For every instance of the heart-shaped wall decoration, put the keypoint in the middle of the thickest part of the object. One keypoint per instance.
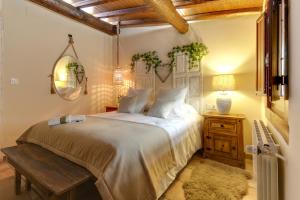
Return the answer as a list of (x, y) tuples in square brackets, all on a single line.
[(163, 72)]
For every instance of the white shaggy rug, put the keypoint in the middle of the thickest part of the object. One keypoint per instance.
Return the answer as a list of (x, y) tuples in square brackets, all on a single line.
[(212, 180)]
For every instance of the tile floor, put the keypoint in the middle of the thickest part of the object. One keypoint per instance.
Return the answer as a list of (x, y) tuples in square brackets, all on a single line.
[(175, 192)]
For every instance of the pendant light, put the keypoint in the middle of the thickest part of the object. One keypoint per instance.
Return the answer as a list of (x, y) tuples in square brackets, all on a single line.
[(118, 73)]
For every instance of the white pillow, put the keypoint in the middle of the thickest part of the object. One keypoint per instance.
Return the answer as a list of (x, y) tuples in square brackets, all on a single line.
[(127, 104), (183, 111), (177, 94), (161, 109), (142, 98)]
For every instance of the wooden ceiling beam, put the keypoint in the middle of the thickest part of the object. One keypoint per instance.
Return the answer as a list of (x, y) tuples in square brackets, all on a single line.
[(90, 3), (141, 22), (68, 10), (143, 8), (191, 4), (120, 12), (200, 16), (166, 10), (215, 14)]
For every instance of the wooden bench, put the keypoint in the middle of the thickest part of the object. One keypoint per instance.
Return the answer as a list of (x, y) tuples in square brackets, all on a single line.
[(54, 176)]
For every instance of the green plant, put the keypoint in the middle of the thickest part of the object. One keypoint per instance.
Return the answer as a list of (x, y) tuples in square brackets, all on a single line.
[(74, 66), (78, 70), (195, 51), (150, 58)]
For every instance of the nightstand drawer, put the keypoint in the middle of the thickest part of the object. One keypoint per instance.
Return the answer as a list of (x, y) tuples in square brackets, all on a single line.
[(223, 145), (222, 126)]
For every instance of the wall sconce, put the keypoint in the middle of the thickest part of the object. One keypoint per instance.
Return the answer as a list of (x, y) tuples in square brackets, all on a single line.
[(223, 83)]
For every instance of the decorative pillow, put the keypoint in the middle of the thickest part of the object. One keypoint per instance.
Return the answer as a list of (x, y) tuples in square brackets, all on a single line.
[(142, 98), (127, 104), (183, 111), (177, 94), (161, 109)]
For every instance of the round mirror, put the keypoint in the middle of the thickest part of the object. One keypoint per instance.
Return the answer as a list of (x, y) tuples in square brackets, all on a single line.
[(68, 78)]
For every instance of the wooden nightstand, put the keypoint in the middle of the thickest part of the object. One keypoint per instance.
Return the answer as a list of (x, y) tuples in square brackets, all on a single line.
[(111, 108), (223, 138)]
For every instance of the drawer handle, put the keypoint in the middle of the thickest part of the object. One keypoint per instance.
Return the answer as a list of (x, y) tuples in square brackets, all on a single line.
[(207, 148), (233, 148), (222, 125), (208, 137)]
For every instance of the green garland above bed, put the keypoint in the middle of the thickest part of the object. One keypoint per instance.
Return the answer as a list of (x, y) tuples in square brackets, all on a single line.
[(195, 51), (150, 58)]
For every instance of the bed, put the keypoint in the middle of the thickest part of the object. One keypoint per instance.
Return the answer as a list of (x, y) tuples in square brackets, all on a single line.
[(132, 156)]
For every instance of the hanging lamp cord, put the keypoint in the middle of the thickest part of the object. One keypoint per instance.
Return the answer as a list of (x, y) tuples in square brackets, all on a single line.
[(118, 45)]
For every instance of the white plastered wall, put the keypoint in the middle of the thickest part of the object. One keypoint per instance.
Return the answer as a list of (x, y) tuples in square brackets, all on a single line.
[(34, 37)]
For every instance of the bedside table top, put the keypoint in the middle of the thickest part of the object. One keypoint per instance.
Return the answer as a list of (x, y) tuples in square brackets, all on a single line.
[(111, 108), (115, 106), (215, 114)]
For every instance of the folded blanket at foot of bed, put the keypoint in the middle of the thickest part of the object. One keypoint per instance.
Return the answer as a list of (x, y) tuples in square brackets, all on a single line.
[(66, 119)]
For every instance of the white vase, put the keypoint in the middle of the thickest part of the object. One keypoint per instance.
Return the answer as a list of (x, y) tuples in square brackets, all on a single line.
[(223, 103)]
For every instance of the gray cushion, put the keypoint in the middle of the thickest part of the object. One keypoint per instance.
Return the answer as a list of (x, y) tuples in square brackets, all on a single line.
[(127, 104), (142, 98), (161, 109)]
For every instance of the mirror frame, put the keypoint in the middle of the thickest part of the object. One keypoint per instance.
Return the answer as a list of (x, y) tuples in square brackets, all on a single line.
[(53, 86)]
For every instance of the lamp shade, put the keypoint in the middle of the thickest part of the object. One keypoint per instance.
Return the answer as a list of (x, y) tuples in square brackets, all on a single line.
[(118, 77), (224, 82)]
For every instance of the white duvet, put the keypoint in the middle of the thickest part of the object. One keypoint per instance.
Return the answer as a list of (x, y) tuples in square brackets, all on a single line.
[(184, 132)]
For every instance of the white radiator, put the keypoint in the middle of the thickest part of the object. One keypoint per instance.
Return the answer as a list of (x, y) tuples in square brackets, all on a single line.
[(265, 162)]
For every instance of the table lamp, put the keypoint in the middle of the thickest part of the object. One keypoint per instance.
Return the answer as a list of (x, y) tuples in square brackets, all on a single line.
[(223, 83)]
